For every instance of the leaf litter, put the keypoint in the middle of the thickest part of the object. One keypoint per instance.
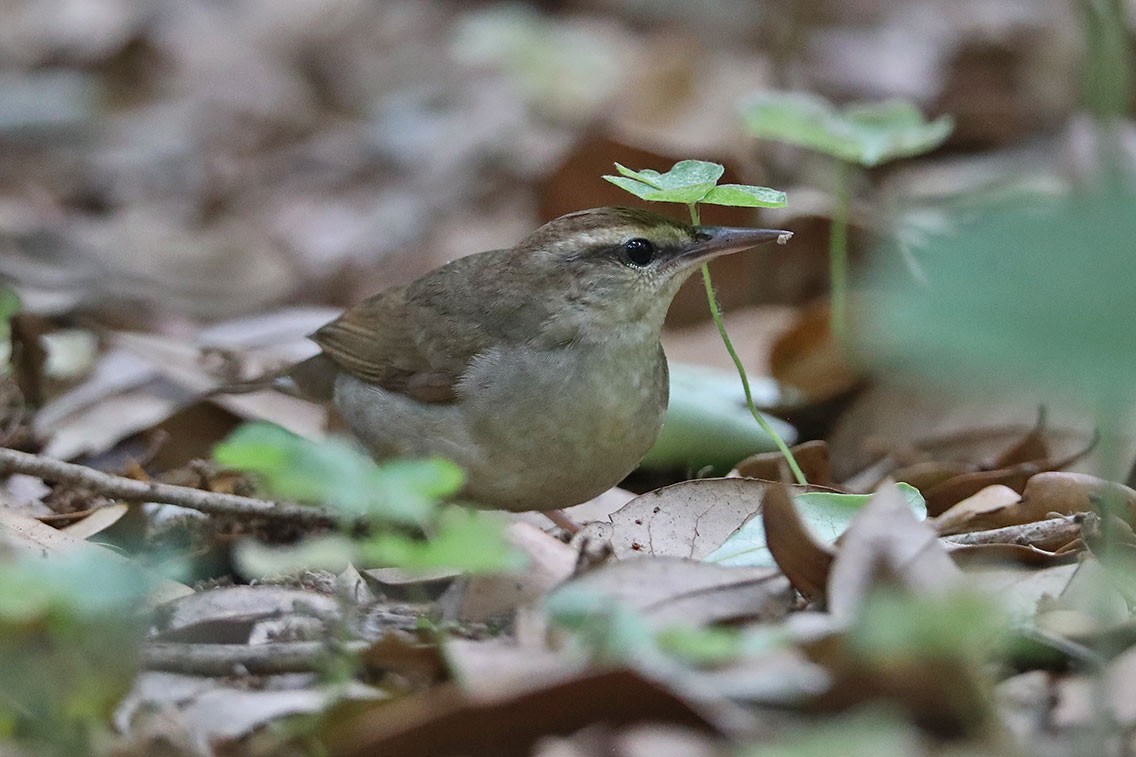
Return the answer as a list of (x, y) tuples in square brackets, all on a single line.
[(178, 246)]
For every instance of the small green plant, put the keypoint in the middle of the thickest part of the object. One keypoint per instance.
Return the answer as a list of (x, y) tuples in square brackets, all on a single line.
[(69, 640), (391, 497), (691, 182), (861, 134)]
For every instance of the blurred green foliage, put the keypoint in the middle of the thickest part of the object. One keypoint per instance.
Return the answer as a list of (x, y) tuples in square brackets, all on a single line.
[(867, 134), (69, 637), (1038, 291), (400, 499)]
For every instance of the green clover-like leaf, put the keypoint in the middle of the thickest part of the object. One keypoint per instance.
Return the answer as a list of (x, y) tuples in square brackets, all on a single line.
[(694, 181), (687, 182), (744, 196), (865, 133)]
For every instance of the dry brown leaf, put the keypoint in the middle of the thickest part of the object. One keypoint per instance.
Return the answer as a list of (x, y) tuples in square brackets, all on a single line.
[(229, 614), (1064, 492), (672, 590), (29, 536), (807, 357), (218, 718), (479, 598), (804, 559), (495, 667), (446, 720), (687, 519), (812, 458), (98, 521), (886, 535), (986, 508)]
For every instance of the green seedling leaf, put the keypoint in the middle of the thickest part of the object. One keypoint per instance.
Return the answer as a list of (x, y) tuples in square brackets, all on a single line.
[(708, 423), (863, 133), (465, 540), (687, 182), (694, 181), (471, 542), (744, 196), (701, 646), (826, 513), (339, 474), (1036, 291)]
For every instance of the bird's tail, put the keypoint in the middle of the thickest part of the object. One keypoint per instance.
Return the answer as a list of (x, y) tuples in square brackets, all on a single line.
[(312, 379)]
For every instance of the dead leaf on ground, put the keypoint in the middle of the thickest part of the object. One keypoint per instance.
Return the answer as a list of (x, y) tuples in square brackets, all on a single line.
[(229, 614), (802, 557), (497, 666), (688, 519), (479, 598), (807, 357), (447, 721), (812, 458), (1019, 589), (885, 535), (98, 521), (672, 590), (29, 536), (218, 719)]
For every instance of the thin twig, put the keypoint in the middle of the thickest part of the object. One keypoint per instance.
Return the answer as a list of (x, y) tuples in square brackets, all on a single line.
[(118, 487), (1047, 534), (243, 659)]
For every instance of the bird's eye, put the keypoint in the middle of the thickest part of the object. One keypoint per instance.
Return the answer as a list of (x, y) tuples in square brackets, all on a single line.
[(639, 252)]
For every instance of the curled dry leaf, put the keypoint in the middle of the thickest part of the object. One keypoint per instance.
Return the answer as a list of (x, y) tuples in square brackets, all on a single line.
[(812, 457), (1044, 494), (22, 534), (954, 489), (98, 521), (802, 557)]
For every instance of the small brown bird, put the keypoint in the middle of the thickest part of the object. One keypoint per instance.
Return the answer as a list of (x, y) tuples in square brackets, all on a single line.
[(537, 369)]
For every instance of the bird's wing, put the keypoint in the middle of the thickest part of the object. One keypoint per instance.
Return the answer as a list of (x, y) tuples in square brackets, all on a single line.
[(374, 341)]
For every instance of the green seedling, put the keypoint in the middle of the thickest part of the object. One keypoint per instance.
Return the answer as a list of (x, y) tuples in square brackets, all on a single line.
[(391, 497), (691, 182), (861, 134)]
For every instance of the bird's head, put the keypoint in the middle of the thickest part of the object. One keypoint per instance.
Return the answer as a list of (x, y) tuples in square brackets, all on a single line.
[(623, 264)]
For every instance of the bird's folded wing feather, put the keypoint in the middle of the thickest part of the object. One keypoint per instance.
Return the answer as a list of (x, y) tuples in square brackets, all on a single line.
[(374, 341)]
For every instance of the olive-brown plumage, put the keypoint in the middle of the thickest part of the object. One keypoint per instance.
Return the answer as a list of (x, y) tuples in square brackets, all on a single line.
[(538, 369)]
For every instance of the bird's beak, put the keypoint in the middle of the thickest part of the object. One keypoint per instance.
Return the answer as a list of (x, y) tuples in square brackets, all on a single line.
[(714, 241)]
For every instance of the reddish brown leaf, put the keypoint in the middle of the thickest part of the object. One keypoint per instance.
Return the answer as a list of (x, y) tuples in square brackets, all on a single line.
[(803, 558), (811, 456)]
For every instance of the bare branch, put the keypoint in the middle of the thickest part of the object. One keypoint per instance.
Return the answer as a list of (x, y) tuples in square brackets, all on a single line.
[(118, 487)]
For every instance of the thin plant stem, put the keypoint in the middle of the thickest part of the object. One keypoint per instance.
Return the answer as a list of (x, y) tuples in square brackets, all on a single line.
[(838, 255), (716, 314)]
